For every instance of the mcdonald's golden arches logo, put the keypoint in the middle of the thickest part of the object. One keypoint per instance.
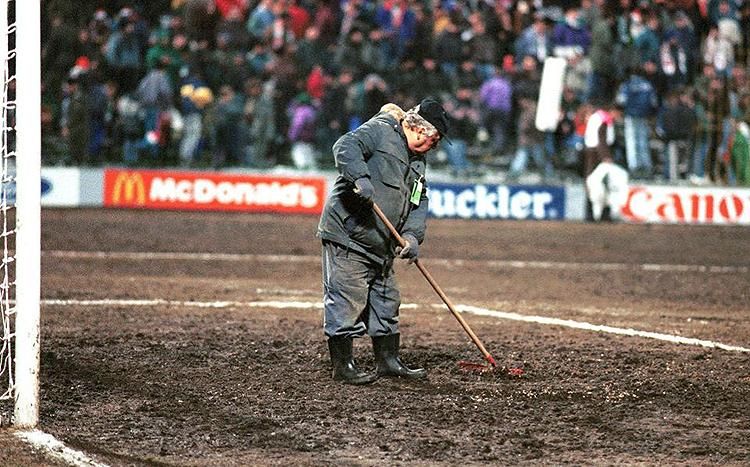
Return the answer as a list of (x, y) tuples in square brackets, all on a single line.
[(129, 188)]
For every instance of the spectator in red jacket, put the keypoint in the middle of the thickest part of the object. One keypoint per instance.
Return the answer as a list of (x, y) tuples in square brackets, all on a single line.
[(231, 7), (299, 19)]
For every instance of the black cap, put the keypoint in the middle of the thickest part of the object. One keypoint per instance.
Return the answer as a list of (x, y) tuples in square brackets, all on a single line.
[(433, 112)]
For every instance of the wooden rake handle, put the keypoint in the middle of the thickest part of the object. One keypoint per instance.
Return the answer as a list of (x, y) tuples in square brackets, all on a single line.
[(436, 287)]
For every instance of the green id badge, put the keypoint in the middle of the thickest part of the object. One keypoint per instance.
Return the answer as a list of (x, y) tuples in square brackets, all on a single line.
[(416, 192)]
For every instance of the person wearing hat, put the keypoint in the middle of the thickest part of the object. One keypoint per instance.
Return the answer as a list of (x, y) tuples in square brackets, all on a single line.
[(381, 161)]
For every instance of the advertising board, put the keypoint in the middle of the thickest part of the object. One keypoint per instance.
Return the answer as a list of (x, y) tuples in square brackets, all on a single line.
[(206, 191), (496, 201), (687, 205), (61, 186)]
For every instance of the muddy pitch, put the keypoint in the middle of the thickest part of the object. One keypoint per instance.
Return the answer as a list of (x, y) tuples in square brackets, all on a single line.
[(169, 382)]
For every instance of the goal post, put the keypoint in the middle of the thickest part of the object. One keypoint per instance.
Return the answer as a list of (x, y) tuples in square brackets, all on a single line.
[(21, 120)]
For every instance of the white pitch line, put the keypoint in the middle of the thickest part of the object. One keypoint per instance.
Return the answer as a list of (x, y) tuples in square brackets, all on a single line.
[(582, 325), (56, 449), (156, 255), (599, 328), (313, 259), (195, 304)]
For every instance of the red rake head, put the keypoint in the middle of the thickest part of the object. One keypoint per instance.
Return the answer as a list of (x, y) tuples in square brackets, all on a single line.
[(480, 367), (475, 367), (488, 367)]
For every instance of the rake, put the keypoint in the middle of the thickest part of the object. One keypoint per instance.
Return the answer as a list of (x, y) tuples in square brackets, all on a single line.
[(467, 365)]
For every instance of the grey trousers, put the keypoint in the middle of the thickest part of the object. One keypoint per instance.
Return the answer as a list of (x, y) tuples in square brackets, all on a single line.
[(359, 298)]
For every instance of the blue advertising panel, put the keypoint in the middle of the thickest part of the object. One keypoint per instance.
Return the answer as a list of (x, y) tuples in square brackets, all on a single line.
[(496, 202)]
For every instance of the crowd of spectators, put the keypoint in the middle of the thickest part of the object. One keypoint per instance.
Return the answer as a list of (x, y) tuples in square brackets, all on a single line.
[(259, 83)]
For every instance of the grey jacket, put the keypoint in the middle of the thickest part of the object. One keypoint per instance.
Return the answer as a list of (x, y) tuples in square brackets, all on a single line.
[(378, 150)]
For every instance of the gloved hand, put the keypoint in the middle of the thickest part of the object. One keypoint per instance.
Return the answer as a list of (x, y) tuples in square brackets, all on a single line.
[(411, 250), (364, 190)]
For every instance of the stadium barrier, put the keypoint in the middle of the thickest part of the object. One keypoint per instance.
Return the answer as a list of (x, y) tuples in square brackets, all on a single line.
[(306, 193)]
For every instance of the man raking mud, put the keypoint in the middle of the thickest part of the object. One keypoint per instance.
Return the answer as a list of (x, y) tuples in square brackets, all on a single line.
[(382, 161)]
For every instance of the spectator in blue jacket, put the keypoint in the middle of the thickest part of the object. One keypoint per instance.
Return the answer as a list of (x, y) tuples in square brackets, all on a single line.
[(647, 39), (571, 36), (639, 101), (398, 22), (534, 40), (260, 21)]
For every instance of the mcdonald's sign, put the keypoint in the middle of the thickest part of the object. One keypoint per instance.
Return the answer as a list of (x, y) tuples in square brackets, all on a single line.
[(124, 188), (204, 191)]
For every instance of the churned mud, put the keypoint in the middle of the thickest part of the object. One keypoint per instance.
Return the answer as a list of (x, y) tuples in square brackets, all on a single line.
[(167, 382)]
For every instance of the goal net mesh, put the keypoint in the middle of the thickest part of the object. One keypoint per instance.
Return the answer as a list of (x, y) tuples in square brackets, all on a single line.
[(7, 201)]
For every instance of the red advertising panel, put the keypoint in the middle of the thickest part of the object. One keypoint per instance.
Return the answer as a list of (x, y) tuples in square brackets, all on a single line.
[(687, 205), (157, 189)]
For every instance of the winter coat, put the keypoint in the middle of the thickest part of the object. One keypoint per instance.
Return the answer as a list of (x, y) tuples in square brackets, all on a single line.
[(378, 150), (155, 90), (449, 47), (483, 49), (638, 97), (565, 35), (602, 52), (496, 94), (226, 6), (77, 118), (302, 125), (647, 45), (676, 122), (526, 94), (464, 118), (529, 42), (124, 50), (200, 19), (402, 33)]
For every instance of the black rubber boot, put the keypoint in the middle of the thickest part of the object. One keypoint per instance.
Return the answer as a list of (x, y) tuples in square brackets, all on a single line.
[(344, 367), (387, 361)]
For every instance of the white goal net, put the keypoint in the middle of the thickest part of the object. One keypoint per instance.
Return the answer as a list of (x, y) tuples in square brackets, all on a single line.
[(20, 232)]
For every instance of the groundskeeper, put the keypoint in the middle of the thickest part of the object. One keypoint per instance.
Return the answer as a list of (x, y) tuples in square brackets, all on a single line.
[(382, 161)]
